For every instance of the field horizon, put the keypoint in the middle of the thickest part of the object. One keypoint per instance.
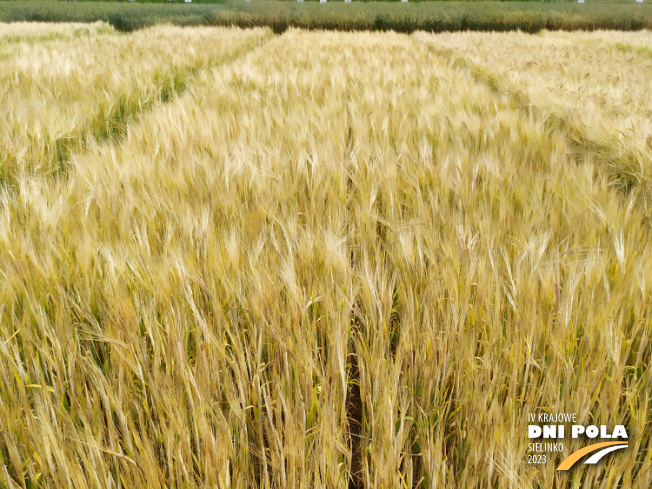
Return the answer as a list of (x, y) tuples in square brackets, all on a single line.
[(280, 15)]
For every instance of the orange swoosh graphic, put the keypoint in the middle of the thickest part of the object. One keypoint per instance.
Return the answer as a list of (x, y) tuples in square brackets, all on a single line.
[(575, 456)]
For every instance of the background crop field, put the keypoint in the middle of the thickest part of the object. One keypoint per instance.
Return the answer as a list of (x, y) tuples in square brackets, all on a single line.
[(279, 15), (230, 258)]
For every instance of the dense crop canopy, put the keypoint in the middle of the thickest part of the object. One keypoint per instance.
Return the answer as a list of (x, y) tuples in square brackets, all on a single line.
[(233, 259)]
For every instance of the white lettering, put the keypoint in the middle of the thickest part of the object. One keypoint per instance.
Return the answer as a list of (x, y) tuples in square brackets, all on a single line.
[(549, 431), (577, 430), (619, 431), (603, 432), (533, 431)]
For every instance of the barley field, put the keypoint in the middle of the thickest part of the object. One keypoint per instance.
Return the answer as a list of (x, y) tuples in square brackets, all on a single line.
[(234, 259)]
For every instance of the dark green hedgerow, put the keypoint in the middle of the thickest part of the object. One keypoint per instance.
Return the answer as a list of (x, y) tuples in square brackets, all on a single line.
[(279, 15), (215, 2)]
